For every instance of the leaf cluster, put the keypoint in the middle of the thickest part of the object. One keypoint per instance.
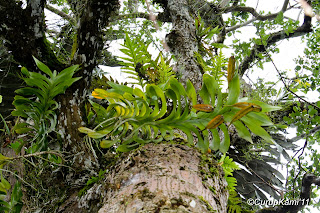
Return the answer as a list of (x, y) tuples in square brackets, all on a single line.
[(36, 103), (15, 204), (134, 117)]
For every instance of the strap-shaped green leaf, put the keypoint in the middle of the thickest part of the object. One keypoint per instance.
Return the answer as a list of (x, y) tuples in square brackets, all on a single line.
[(179, 91), (191, 92), (96, 135), (25, 71), (121, 89), (260, 118), (65, 75), (44, 68), (234, 90), (85, 130), (225, 144), (155, 91), (204, 94), (108, 143), (29, 91), (215, 143), (258, 130), (266, 107), (212, 87), (242, 130)]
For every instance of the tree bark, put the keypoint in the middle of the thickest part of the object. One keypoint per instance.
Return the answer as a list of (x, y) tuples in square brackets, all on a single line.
[(157, 178), (183, 43), (86, 51)]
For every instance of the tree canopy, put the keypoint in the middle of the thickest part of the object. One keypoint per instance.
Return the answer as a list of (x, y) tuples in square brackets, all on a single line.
[(194, 70)]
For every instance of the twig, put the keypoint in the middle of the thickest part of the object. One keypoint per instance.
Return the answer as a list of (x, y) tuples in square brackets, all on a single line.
[(255, 14), (299, 163), (37, 154), (263, 181), (284, 83)]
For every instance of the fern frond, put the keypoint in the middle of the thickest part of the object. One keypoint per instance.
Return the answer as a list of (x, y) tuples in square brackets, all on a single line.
[(234, 202), (140, 65), (137, 59), (214, 66)]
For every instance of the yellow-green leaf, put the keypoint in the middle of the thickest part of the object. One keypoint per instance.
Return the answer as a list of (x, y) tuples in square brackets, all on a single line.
[(260, 118), (85, 130), (103, 94), (225, 144), (234, 90), (266, 107), (108, 143), (242, 105), (191, 92), (2, 157), (96, 135), (258, 130), (216, 140)]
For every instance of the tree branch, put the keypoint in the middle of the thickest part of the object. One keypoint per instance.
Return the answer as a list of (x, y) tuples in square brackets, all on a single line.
[(164, 17), (287, 87), (296, 205), (254, 13), (60, 13), (273, 38), (133, 15), (314, 130)]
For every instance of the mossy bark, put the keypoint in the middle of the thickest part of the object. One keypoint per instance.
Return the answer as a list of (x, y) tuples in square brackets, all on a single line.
[(157, 178)]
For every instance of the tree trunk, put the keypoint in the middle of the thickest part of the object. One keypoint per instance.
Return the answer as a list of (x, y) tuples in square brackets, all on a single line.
[(86, 50), (157, 178), (154, 178), (183, 42)]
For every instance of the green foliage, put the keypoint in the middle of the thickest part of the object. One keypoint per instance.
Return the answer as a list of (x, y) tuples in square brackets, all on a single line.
[(234, 202), (134, 117), (91, 181), (215, 66), (229, 166), (140, 65), (15, 203), (36, 102), (58, 2), (203, 33), (6, 128)]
